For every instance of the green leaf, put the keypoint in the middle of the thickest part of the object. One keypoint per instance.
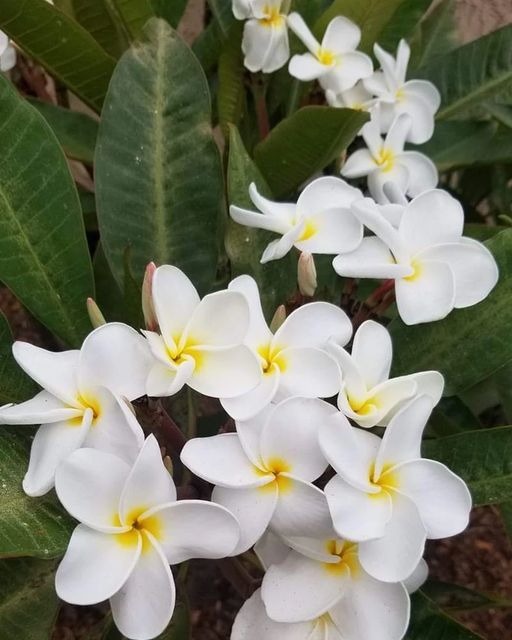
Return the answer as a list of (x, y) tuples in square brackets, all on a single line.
[(108, 294), (470, 344), (170, 10), (244, 245), (403, 22), (76, 132), (15, 385), (304, 144), (482, 458), (482, 232), (96, 17), (28, 602), (208, 45), (159, 182), (132, 15), (478, 72), (44, 257), (53, 39), (435, 36), (28, 526), (231, 89), (429, 622), (458, 598)]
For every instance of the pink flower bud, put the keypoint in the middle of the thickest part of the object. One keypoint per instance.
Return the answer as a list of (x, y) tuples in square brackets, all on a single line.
[(278, 319), (95, 316), (307, 275), (147, 298)]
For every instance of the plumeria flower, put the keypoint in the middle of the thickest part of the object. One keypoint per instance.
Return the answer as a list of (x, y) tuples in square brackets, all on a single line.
[(83, 401), (335, 63), (131, 528), (357, 98), (201, 340), (265, 41), (7, 53), (434, 267), (386, 496), (320, 222), (368, 396), (418, 98), (293, 361), (386, 161), (263, 473)]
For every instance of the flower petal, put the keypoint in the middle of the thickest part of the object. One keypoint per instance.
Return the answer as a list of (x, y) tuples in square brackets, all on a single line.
[(279, 50), (279, 248), (149, 483), (336, 230), (258, 44), (55, 372), (249, 405), (250, 432), (321, 194), (430, 383), (341, 35), (194, 529), (417, 578), (306, 67), (372, 352), (386, 397), (222, 461), (353, 385), (167, 380), (421, 114), (442, 498), (89, 485), (96, 566), (258, 220), (360, 163), (271, 549), (42, 408), (426, 90), (51, 445), (302, 31), (422, 172), (398, 174), (372, 259), (253, 508), (311, 373), (143, 607), (258, 333), (354, 66)]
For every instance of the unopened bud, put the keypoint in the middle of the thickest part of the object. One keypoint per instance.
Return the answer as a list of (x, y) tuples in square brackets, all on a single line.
[(95, 316), (306, 273), (279, 318), (168, 464), (147, 298)]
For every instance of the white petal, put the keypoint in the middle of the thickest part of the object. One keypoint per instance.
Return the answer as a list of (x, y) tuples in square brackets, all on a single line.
[(398, 174), (394, 557), (403, 56), (300, 28), (317, 548), (357, 515), (422, 172), (89, 485), (359, 164), (402, 439), (324, 194), (258, 333), (221, 460), (249, 432), (376, 85), (351, 452), (430, 383), (310, 373), (225, 373), (473, 266), (55, 372), (290, 435), (194, 529), (427, 296), (143, 607), (389, 606), (256, 44), (354, 386), (285, 212), (301, 589), (42, 408), (252, 403), (258, 220), (253, 508), (372, 259), (166, 380), (279, 50), (386, 397), (422, 117), (271, 549), (388, 64), (51, 445), (434, 217), (354, 67), (341, 35), (417, 578), (398, 132), (174, 298), (221, 319), (425, 90), (372, 352), (306, 67), (8, 59), (442, 498), (312, 325), (115, 356), (148, 485), (279, 248), (336, 231), (96, 566)]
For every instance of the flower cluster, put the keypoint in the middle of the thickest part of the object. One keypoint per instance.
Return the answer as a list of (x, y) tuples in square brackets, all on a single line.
[(323, 502)]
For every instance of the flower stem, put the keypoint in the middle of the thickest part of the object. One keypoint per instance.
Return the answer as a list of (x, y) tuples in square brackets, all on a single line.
[(260, 103), (156, 419)]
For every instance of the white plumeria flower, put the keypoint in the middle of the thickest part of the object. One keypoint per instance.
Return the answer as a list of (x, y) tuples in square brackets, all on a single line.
[(320, 223), (293, 361), (335, 63), (265, 41), (201, 340), (368, 396), (386, 161), (263, 473), (131, 528), (418, 98), (7, 53), (386, 496), (83, 402), (434, 267), (357, 98), (322, 577)]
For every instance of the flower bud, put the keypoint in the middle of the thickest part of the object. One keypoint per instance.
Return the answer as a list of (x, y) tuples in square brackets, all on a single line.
[(278, 319), (147, 298), (95, 316), (307, 275)]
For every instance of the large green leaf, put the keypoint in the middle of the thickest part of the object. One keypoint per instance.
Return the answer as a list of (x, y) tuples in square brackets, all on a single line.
[(132, 15), (61, 45), (15, 385), (470, 344), (96, 17), (44, 257), (435, 36), (159, 181), (170, 10), (478, 72), (304, 144), (429, 622), (76, 132), (28, 602), (245, 246), (403, 22), (231, 89), (482, 458), (28, 526)]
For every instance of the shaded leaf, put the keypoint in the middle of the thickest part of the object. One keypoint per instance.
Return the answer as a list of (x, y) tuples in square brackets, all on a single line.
[(231, 89), (15, 385), (429, 622), (108, 294), (435, 36), (403, 22), (132, 15), (170, 10), (458, 598), (96, 17)]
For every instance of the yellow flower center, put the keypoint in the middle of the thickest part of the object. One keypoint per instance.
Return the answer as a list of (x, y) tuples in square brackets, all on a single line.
[(186, 352), (347, 553), (327, 57), (273, 17), (387, 480), (87, 401), (417, 271), (139, 527), (310, 230), (271, 359), (363, 407), (276, 466), (385, 159)]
